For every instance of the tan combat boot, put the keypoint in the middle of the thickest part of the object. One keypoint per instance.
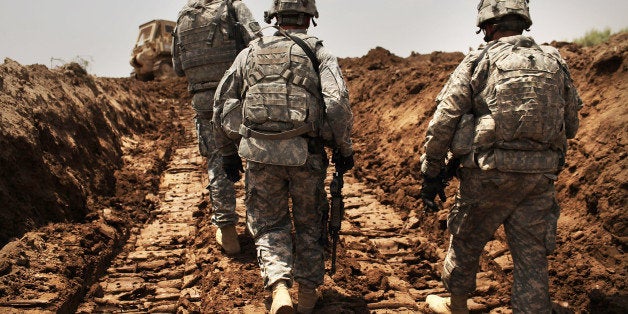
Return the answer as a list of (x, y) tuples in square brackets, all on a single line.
[(307, 300), (457, 304), (227, 237), (282, 303)]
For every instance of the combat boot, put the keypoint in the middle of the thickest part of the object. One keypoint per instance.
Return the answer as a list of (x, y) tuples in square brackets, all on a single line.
[(457, 304), (227, 237), (282, 303), (307, 300)]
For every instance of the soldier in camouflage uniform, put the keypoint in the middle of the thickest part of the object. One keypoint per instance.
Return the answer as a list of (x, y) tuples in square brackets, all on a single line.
[(278, 108), (505, 114), (208, 36)]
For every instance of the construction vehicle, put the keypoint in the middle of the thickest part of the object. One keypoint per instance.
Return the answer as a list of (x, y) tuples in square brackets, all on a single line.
[(152, 54)]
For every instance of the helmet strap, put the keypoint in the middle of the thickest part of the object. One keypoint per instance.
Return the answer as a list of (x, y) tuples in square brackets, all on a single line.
[(489, 36)]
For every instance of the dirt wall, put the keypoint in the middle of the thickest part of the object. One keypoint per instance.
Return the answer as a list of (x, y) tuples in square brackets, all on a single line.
[(71, 185)]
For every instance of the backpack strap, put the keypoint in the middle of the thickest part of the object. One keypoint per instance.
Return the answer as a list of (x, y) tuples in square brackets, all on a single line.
[(481, 56), (481, 110), (312, 56)]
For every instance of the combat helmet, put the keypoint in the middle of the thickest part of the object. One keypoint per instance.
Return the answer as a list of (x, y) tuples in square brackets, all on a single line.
[(495, 10), (291, 7)]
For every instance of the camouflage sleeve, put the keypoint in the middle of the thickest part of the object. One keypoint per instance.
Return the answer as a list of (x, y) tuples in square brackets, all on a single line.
[(176, 57), (454, 100), (228, 94), (573, 103), (336, 97), (248, 21)]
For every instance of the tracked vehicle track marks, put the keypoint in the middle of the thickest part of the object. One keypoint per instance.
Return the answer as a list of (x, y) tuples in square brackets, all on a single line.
[(157, 271)]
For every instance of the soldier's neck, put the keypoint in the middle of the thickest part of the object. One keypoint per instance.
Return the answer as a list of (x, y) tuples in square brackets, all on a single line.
[(501, 34)]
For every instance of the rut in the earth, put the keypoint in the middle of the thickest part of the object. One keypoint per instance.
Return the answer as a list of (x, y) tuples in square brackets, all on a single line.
[(173, 265), (157, 270)]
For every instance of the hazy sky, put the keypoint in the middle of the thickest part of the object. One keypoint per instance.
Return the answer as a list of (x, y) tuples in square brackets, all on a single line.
[(104, 31)]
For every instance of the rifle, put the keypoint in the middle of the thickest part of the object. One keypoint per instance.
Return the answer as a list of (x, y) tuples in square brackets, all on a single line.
[(337, 212)]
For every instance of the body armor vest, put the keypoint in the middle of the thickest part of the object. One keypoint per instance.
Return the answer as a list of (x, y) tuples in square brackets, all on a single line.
[(524, 99), (282, 89), (519, 116), (205, 42)]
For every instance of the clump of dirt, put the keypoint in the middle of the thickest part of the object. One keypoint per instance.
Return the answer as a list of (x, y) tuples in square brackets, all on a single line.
[(393, 101)]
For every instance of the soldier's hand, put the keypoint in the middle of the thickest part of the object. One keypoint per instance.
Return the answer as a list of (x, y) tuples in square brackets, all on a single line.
[(232, 165), (342, 163), (429, 189)]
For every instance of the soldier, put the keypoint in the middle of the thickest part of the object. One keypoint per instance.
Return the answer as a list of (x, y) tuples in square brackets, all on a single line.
[(280, 102), (208, 36), (505, 114)]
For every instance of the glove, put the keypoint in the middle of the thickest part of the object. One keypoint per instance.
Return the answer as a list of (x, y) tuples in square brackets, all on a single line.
[(343, 164), (232, 165), (429, 189)]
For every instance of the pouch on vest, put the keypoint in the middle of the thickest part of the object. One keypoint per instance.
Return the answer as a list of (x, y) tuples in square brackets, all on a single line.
[(462, 143), (545, 161), (231, 118), (288, 152), (484, 133)]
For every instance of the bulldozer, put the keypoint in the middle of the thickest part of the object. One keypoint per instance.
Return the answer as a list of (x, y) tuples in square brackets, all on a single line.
[(152, 54)]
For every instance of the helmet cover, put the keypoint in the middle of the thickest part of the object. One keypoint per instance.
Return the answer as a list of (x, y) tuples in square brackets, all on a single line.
[(496, 9), (291, 6)]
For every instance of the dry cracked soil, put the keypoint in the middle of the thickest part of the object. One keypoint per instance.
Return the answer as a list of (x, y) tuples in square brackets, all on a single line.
[(103, 206)]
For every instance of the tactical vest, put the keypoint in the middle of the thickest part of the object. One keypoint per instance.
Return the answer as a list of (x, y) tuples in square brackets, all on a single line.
[(519, 116), (281, 103), (206, 43)]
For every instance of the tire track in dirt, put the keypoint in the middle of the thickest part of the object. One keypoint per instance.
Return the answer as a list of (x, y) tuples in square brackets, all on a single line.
[(157, 269)]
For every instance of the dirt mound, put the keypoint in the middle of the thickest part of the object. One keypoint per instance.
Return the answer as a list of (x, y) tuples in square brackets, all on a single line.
[(63, 174), (393, 101), (61, 137)]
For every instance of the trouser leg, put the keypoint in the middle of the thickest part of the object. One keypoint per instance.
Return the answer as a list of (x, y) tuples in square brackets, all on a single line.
[(526, 231), (221, 190), (306, 189), (479, 210), (268, 220)]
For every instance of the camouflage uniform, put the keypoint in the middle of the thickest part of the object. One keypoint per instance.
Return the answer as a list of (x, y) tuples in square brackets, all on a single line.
[(204, 65), (294, 167), (509, 165)]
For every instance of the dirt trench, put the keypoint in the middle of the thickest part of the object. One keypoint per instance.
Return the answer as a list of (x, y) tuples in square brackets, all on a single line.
[(105, 210)]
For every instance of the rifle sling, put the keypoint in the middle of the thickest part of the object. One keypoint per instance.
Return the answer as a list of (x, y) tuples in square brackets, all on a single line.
[(308, 51), (238, 36)]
